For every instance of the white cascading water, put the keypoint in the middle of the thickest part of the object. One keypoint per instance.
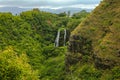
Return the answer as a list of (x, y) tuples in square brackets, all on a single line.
[(58, 37), (65, 36)]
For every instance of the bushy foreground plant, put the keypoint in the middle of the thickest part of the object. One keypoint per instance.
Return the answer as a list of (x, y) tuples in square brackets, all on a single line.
[(14, 67)]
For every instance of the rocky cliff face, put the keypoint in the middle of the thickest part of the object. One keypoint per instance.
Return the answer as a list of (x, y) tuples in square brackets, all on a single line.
[(97, 39)]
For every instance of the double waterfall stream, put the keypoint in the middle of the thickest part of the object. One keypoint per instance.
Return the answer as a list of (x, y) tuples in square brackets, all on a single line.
[(58, 37)]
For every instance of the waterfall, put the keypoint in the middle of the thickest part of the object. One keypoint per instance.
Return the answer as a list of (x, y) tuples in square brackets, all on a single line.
[(65, 36), (58, 37)]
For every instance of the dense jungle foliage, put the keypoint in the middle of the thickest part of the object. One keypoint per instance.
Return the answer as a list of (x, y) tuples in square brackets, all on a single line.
[(27, 50), (92, 51)]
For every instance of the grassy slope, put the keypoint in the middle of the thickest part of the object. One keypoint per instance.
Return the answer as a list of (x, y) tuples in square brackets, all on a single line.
[(102, 27)]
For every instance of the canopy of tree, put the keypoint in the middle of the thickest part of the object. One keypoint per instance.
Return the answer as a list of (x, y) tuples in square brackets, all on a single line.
[(27, 49)]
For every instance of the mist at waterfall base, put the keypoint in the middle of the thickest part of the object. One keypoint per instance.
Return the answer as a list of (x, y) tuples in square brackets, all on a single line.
[(61, 38)]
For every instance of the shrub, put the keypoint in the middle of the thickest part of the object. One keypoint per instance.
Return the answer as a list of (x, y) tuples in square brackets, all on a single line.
[(14, 67)]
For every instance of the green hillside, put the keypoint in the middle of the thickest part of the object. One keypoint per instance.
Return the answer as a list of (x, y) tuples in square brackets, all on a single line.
[(90, 51), (95, 44), (27, 50)]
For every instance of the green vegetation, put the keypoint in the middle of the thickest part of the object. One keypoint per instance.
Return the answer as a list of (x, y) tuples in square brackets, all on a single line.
[(94, 46), (27, 50), (14, 67)]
